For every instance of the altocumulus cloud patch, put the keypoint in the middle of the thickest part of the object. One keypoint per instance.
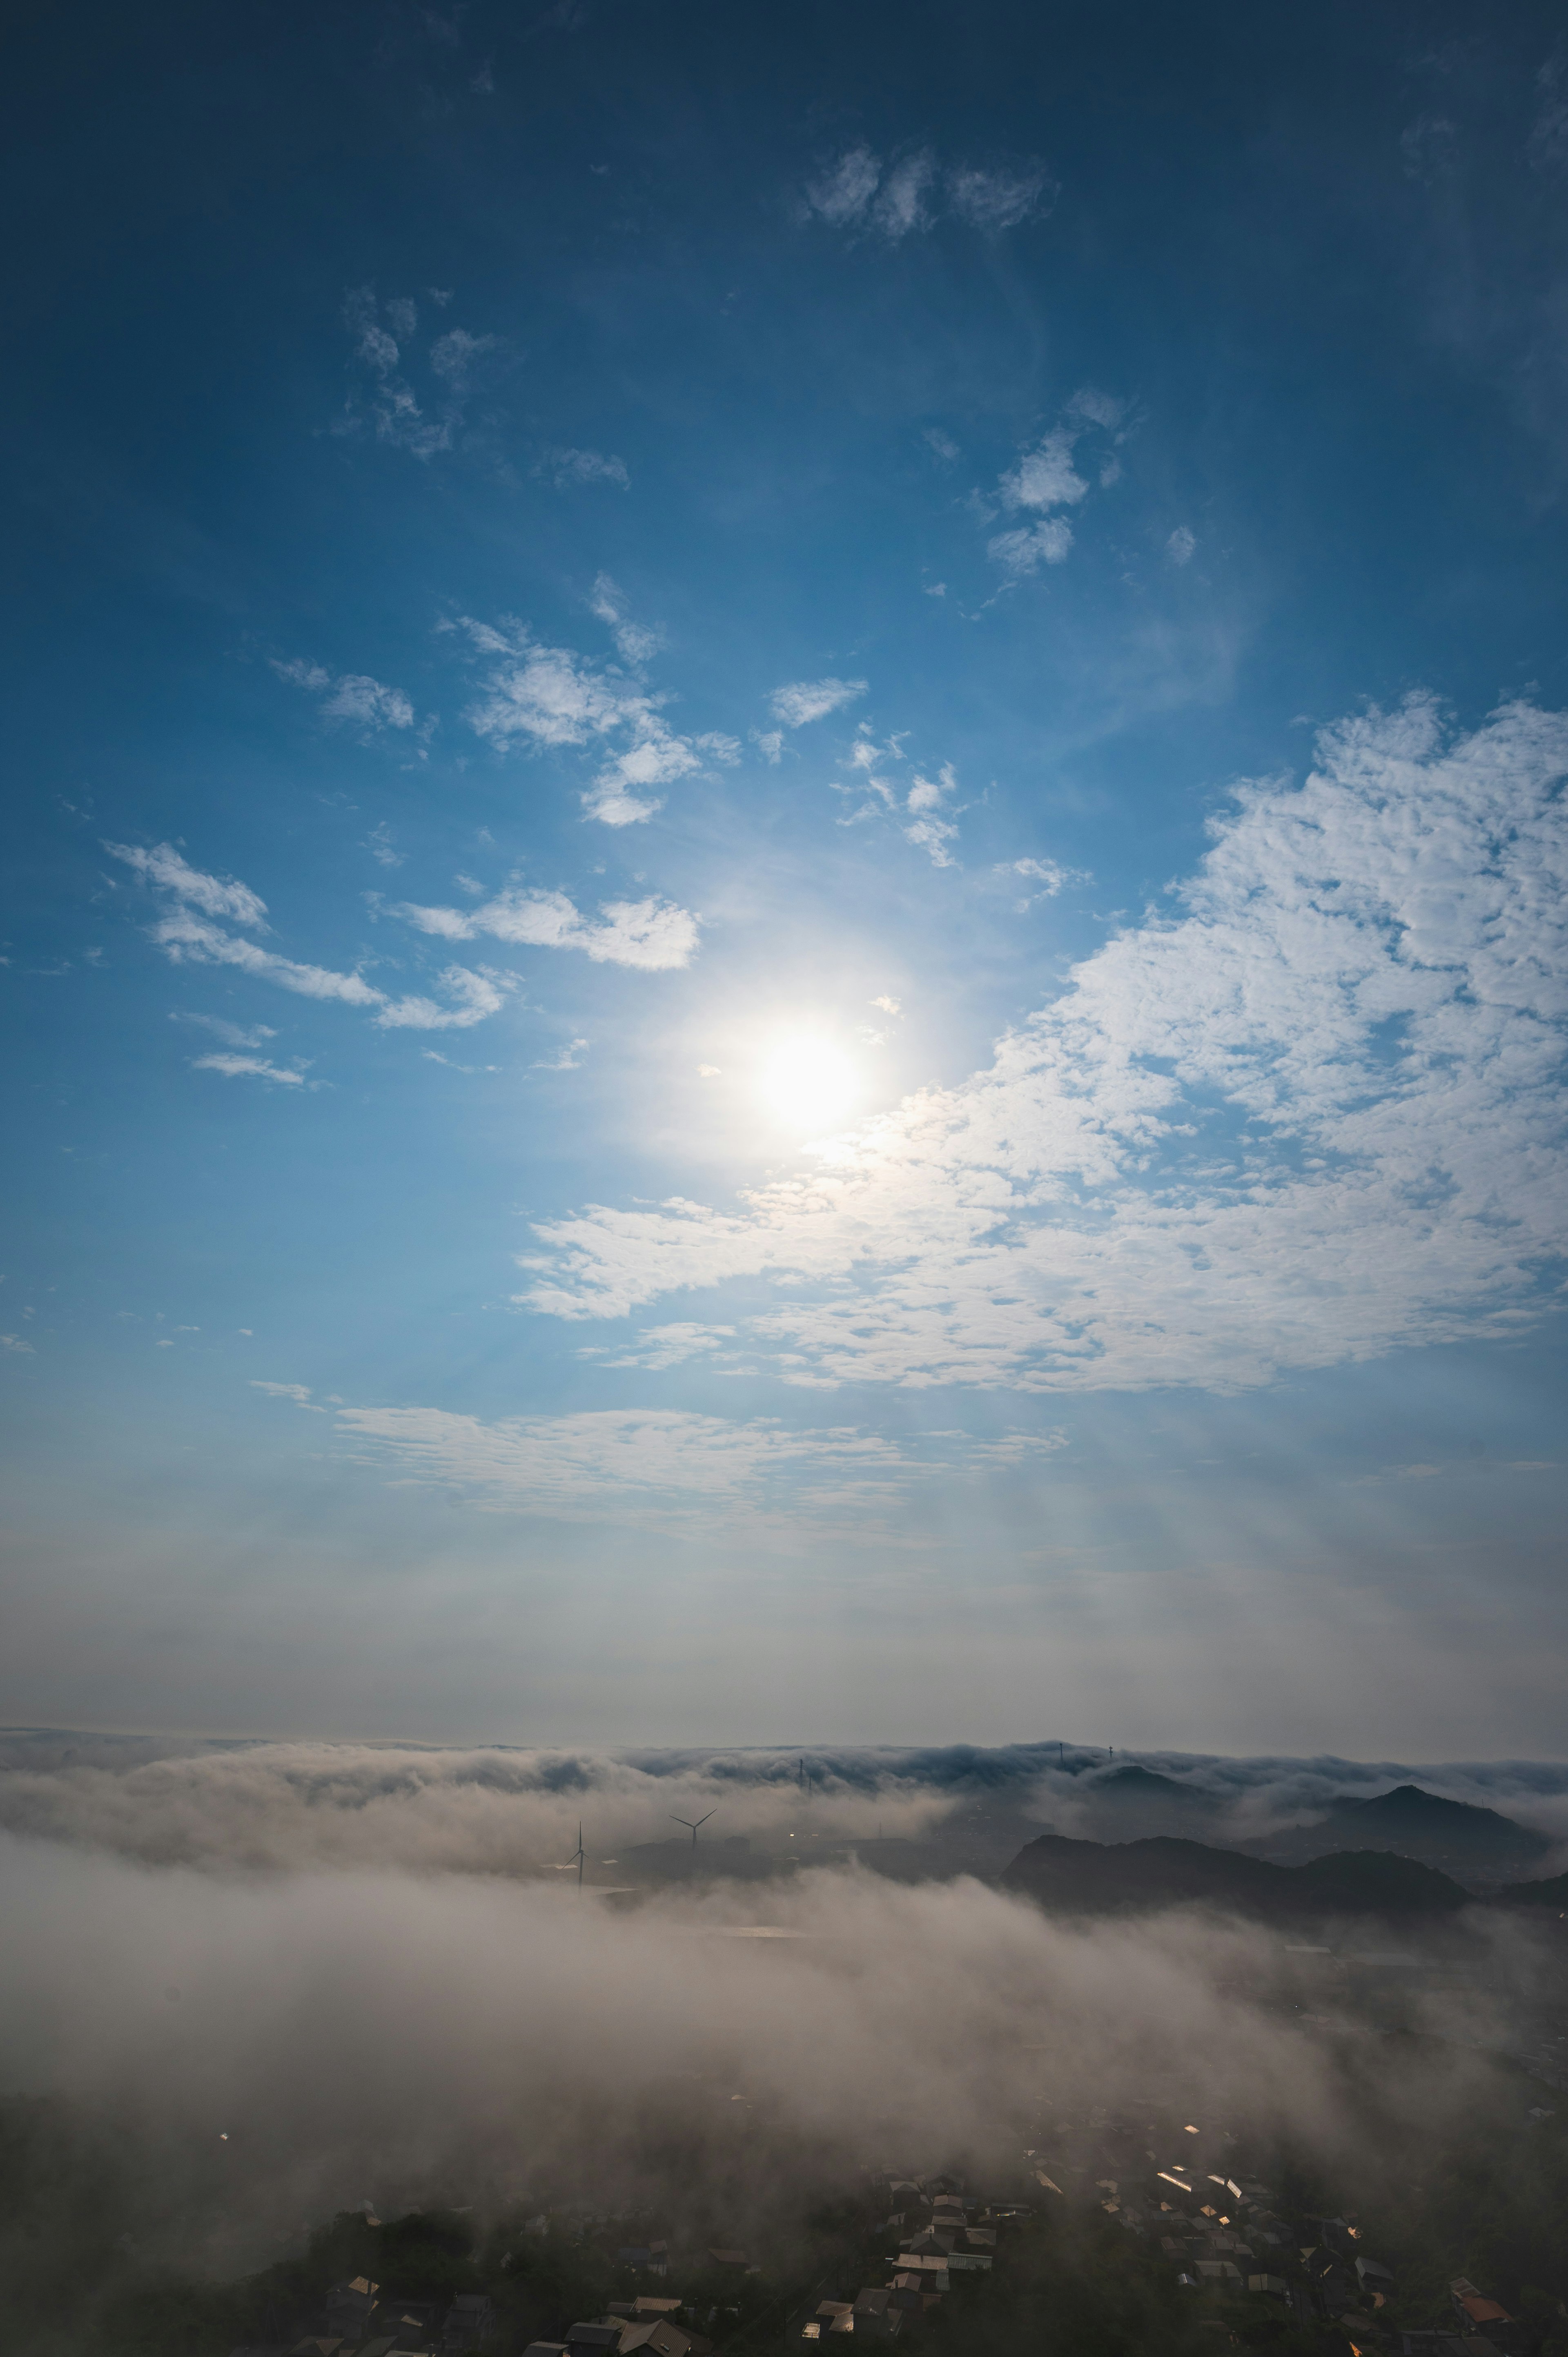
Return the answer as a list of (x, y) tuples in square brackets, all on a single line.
[(1315, 1114)]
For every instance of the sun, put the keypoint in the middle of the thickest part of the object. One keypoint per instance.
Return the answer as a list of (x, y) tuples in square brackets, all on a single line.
[(807, 1083)]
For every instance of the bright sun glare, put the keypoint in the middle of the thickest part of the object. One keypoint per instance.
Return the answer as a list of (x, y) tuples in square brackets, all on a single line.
[(807, 1083)]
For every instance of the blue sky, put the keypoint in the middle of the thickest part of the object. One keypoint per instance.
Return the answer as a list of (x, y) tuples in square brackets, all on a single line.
[(785, 936)]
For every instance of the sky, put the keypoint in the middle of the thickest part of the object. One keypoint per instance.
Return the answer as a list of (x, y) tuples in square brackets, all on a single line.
[(785, 933)]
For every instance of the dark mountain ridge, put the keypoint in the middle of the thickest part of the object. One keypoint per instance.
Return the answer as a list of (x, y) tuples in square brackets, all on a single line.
[(1097, 1877), (1457, 1836)]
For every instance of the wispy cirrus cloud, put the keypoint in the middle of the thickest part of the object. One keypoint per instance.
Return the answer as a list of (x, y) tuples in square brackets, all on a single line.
[(567, 469), (380, 335), (234, 1067), (351, 697), (1317, 1113), (185, 931), (805, 700), (669, 1467), (859, 191), (654, 935)]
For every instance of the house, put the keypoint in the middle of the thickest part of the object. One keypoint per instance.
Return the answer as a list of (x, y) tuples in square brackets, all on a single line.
[(728, 2258), (350, 2308), (659, 2336), (596, 2340), (1372, 2275), (1475, 2311), (646, 2305), (1275, 2285), (633, 2255), (469, 2321)]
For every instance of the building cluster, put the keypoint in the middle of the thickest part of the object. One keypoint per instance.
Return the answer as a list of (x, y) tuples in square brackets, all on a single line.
[(938, 2234), (362, 2319), (1221, 2230)]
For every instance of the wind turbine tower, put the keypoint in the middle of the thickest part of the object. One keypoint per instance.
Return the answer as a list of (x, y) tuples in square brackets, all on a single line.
[(693, 1822)]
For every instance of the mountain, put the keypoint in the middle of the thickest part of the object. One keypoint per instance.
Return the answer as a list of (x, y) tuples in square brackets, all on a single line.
[(1097, 1878), (1551, 1893), (1456, 1836)]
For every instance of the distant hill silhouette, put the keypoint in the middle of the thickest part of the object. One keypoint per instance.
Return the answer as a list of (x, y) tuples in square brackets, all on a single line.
[(1099, 1877), (1457, 1836), (1553, 1892)]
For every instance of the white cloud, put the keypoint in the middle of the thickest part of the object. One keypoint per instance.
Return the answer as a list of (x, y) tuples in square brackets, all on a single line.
[(551, 696), (888, 1006), (1046, 476), (1100, 408), (568, 1059), (189, 938), (653, 934), (233, 1035), (769, 743), (1000, 200), (1315, 1114), (658, 1466), (352, 697), (567, 468), (841, 195), (1022, 552), (1047, 876), (18, 1343), (298, 1393), (164, 867), (238, 1067), (380, 332), (637, 643), (812, 699), (901, 206), (1180, 545), (856, 193)]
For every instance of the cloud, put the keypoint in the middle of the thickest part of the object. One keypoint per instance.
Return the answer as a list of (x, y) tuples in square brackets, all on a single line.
[(379, 333), (298, 1393), (659, 1347), (1045, 477), (1047, 876), (1025, 550), (901, 205), (654, 935), (241, 1067), (352, 697), (669, 1467), (568, 1059), (1000, 200), (187, 937), (1547, 147), (916, 808), (16, 1343), (769, 743), (166, 870), (857, 191), (841, 195), (636, 641), (812, 699), (233, 1035), (1314, 1114), (567, 468), (550, 696), (1180, 545)]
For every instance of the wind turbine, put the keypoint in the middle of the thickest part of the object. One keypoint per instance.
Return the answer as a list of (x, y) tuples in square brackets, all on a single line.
[(578, 1855), (693, 1822)]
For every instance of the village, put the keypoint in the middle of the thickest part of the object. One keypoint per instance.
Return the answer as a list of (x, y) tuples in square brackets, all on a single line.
[(1151, 2230)]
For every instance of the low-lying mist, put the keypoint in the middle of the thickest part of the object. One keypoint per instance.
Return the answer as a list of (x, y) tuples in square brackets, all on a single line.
[(494, 1810), (294, 2043)]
